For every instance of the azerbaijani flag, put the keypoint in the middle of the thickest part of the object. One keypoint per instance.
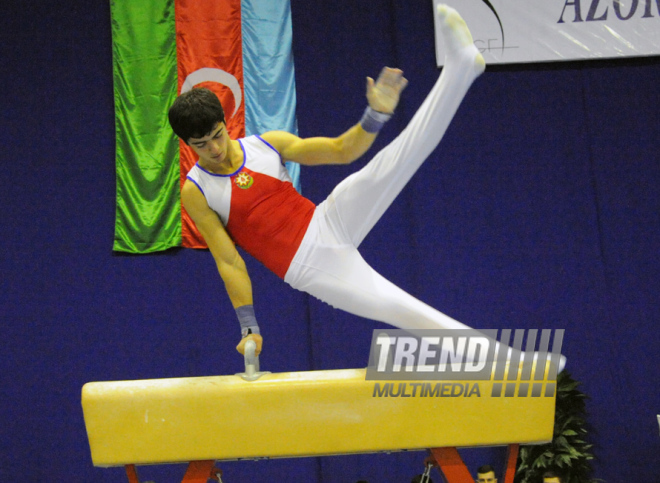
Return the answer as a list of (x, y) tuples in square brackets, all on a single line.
[(240, 49)]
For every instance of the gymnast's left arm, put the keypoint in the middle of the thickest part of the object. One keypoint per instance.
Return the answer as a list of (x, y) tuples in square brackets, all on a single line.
[(343, 149), (382, 97)]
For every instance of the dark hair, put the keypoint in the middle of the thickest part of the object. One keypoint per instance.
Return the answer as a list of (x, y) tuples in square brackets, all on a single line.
[(554, 474), (485, 469), (195, 113)]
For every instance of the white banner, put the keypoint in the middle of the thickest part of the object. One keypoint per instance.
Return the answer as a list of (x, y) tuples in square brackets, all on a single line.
[(515, 31)]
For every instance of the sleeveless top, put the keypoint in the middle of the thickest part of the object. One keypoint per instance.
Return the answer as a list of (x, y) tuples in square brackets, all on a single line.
[(258, 205)]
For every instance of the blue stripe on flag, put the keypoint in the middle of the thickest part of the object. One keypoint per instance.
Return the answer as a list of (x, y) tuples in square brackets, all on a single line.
[(268, 73)]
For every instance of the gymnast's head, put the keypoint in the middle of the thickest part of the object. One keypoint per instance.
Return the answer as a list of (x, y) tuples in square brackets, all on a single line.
[(195, 113)]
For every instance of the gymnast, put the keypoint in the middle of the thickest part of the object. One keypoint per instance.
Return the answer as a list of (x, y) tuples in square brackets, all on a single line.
[(239, 193)]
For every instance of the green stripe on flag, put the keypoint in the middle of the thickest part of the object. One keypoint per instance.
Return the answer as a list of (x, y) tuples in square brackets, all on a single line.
[(148, 214)]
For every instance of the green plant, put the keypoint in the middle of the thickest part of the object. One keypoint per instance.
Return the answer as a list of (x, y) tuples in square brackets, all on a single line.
[(568, 451)]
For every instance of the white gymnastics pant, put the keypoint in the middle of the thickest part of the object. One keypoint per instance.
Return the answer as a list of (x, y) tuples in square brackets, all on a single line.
[(328, 264)]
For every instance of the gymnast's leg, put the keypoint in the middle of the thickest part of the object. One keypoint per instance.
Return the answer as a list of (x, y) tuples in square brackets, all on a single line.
[(338, 275), (362, 198), (328, 264)]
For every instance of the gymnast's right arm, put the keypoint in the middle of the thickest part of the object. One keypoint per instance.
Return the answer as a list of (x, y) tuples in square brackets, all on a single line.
[(229, 262)]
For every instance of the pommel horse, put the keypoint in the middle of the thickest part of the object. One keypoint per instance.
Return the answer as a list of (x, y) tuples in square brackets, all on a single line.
[(202, 419)]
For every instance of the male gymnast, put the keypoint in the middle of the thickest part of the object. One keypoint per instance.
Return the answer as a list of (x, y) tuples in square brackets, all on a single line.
[(239, 192)]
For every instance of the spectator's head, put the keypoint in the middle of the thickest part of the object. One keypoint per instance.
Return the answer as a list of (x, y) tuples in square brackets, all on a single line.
[(553, 476), (486, 474)]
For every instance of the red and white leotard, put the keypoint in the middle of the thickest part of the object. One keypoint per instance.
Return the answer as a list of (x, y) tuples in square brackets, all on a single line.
[(315, 249), (261, 210)]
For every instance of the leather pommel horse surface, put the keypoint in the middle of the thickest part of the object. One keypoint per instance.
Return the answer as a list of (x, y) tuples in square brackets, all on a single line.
[(298, 414)]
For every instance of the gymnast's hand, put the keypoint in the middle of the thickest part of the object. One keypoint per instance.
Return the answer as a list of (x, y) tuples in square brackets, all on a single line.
[(257, 340), (383, 95)]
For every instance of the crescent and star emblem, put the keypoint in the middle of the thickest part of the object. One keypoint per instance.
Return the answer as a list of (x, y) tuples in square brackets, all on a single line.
[(208, 74)]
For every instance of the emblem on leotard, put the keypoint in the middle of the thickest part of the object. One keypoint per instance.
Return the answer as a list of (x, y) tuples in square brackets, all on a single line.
[(243, 180)]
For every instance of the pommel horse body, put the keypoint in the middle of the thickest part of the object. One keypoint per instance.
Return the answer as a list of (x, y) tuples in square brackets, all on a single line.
[(316, 413)]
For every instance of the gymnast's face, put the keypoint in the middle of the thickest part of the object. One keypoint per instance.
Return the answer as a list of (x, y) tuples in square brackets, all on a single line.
[(214, 149)]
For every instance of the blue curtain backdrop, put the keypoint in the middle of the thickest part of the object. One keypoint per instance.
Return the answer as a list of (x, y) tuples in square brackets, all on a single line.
[(539, 210)]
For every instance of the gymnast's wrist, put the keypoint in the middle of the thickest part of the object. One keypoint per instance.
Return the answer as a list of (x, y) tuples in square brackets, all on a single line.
[(248, 320), (372, 121)]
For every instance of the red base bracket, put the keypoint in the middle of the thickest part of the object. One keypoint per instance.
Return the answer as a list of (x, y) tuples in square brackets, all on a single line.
[(131, 473), (511, 462), (452, 467), (197, 472)]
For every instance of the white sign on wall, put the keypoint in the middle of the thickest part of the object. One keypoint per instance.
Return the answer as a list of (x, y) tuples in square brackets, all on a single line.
[(517, 31)]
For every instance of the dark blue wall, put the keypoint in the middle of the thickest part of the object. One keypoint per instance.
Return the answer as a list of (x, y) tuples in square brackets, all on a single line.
[(539, 210)]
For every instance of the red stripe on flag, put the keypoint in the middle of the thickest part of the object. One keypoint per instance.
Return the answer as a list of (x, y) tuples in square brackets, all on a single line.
[(208, 35)]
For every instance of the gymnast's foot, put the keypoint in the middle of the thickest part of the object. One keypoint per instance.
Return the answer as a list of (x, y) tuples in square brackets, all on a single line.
[(459, 46)]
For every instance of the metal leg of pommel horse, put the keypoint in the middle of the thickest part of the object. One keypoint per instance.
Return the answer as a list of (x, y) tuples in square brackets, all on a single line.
[(452, 467)]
